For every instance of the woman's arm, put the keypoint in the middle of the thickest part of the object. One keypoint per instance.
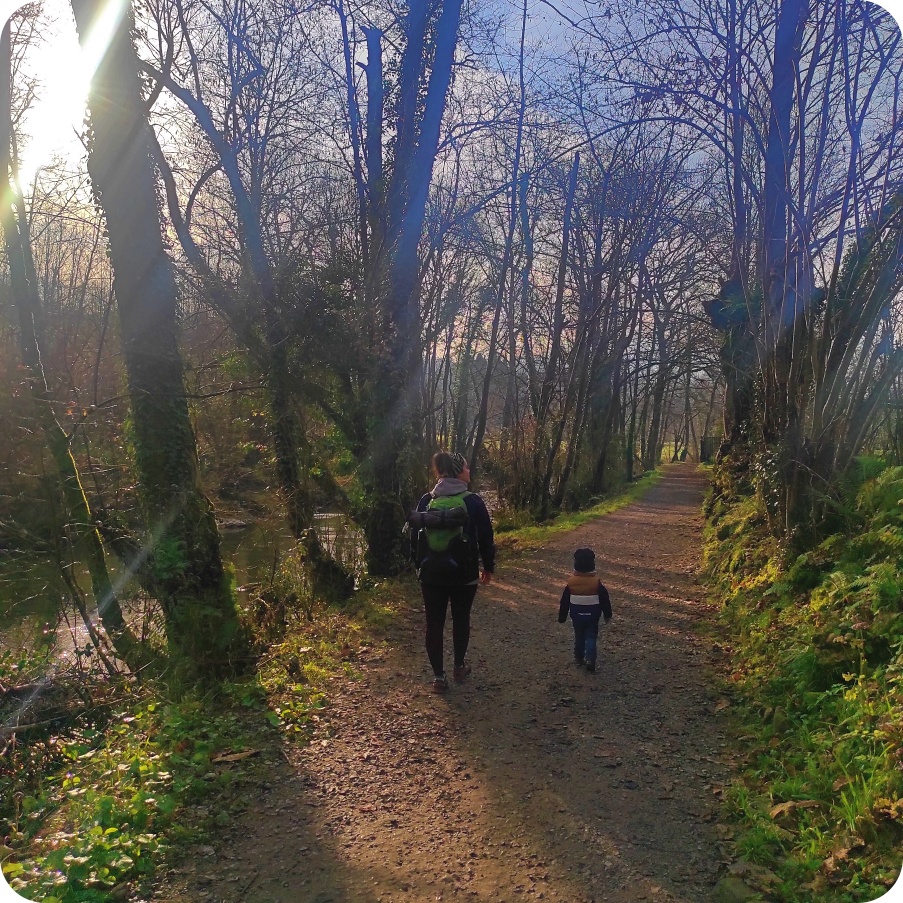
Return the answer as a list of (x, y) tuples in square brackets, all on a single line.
[(414, 533), (485, 536)]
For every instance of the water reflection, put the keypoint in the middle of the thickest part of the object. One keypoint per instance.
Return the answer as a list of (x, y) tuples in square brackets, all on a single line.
[(32, 590), (31, 594)]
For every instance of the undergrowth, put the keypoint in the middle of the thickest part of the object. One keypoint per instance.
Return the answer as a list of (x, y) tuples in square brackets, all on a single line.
[(112, 794), (92, 805), (817, 659)]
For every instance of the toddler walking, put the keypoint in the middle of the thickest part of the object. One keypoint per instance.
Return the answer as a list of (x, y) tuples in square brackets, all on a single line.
[(586, 599)]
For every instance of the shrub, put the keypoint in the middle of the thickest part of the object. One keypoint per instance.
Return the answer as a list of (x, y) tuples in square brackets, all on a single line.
[(817, 646)]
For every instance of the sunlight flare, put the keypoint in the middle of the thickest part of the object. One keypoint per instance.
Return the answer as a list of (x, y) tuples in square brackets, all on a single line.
[(65, 73), (97, 42)]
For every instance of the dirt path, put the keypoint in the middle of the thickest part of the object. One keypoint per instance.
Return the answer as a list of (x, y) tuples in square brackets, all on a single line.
[(533, 780)]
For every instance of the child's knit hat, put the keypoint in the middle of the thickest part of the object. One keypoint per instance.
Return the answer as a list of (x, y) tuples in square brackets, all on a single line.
[(584, 561)]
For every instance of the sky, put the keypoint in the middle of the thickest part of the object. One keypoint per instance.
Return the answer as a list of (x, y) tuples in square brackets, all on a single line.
[(58, 115), (64, 70), (60, 111)]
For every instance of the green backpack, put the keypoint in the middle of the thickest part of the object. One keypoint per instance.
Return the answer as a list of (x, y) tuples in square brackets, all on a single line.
[(445, 553)]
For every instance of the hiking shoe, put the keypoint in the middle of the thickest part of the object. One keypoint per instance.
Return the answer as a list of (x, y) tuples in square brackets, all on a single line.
[(461, 671), (591, 667), (440, 684)]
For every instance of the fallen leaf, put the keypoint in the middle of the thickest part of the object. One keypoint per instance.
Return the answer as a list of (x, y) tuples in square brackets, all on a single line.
[(781, 808), (236, 757), (843, 850)]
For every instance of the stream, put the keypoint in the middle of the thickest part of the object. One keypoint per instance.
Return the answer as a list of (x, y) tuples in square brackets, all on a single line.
[(32, 589)]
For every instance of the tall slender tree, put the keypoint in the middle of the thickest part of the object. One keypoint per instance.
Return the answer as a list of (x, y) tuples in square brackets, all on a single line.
[(201, 620), (396, 272), (26, 299)]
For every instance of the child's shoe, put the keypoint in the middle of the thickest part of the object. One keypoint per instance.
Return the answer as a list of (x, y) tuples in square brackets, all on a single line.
[(440, 684)]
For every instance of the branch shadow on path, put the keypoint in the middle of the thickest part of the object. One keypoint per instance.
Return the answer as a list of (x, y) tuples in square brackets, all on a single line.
[(622, 765)]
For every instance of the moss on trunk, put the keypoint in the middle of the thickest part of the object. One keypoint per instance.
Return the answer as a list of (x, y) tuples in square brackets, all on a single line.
[(201, 618)]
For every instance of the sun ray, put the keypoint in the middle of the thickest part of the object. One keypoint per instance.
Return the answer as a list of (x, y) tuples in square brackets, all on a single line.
[(98, 40)]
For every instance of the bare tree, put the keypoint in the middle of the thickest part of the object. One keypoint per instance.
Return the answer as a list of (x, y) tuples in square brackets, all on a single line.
[(31, 339), (798, 99)]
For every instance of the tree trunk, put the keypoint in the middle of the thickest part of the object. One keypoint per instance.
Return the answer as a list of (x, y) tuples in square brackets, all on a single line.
[(354, 132), (737, 358), (201, 620), (286, 437), (785, 293), (373, 145), (542, 471), (630, 437), (387, 475), (652, 457)]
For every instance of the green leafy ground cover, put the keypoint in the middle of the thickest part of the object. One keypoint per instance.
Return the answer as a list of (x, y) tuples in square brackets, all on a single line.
[(91, 806), (817, 656)]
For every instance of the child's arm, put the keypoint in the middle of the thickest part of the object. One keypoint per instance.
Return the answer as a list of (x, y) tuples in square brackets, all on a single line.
[(604, 601), (564, 606)]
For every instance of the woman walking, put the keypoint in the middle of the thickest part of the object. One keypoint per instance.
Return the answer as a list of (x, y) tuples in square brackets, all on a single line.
[(451, 535)]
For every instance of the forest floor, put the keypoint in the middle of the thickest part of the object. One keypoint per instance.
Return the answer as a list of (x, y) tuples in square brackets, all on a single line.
[(531, 780)]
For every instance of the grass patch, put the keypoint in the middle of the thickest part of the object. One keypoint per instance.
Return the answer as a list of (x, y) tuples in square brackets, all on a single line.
[(96, 803), (517, 535), (816, 652), (93, 805)]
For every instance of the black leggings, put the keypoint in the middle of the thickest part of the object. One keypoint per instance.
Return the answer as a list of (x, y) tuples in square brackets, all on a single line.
[(435, 603)]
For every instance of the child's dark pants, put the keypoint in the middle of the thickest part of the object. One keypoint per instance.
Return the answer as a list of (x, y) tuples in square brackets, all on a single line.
[(585, 635), (435, 602)]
